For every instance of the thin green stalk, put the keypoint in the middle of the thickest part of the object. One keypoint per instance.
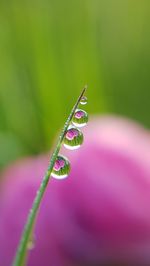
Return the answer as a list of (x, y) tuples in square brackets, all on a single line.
[(22, 248)]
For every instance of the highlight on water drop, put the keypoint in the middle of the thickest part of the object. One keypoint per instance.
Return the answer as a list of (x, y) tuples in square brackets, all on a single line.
[(73, 138), (83, 100), (80, 118), (61, 167), (31, 243)]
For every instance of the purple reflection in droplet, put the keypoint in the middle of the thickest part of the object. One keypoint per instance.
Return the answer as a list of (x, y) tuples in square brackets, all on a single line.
[(79, 114), (59, 164), (72, 133)]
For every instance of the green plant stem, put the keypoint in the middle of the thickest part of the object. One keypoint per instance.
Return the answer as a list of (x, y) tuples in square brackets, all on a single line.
[(22, 248)]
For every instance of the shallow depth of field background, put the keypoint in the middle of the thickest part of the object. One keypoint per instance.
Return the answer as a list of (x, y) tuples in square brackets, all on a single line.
[(50, 49)]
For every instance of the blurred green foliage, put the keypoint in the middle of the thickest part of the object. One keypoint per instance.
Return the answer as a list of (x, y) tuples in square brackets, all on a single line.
[(50, 49)]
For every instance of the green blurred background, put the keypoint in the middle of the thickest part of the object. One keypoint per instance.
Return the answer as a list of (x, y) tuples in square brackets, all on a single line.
[(50, 49)]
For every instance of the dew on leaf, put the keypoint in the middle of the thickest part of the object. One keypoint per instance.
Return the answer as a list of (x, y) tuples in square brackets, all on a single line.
[(31, 243), (83, 100), (61, 168), (80, 118), (73, 138)]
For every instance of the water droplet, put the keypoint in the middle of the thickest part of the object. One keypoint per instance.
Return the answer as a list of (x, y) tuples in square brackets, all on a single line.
[(31, 243), (73, 138), (61, 167), (83, 100), (80, 118)]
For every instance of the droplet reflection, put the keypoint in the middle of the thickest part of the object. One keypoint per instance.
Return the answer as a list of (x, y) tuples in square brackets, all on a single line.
[(83, 100), (80, 118), (73, 138), (61, 167)]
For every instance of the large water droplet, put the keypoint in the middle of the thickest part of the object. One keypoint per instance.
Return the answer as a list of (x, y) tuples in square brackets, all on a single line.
[(83, 100), (80, 118), (61, 167), (73, 138)]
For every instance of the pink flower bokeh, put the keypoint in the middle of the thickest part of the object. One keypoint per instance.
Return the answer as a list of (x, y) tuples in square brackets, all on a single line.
[(99, 215)]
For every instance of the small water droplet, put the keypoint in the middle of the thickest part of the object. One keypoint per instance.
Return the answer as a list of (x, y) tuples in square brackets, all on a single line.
[(83, 100), (73, 138), (31, 243), (80, 118), (61, 167)]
